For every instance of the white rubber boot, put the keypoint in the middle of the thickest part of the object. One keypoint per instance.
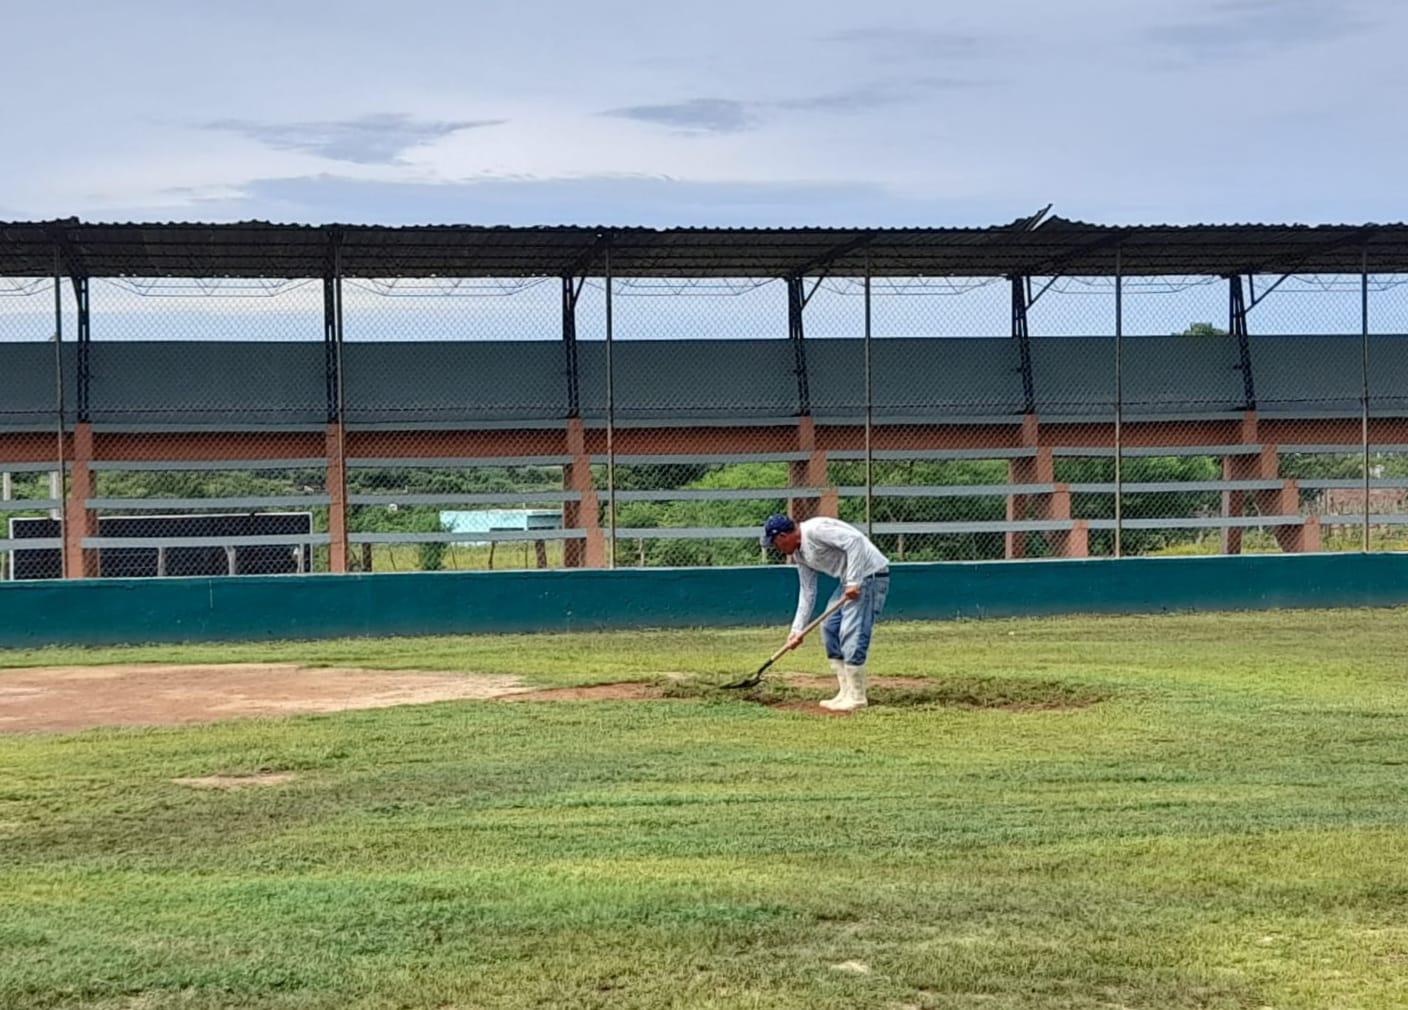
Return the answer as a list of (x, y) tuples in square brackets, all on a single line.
[(854, 693), (843, 694)]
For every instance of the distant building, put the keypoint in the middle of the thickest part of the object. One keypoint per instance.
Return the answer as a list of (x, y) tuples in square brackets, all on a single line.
[(497, 521)]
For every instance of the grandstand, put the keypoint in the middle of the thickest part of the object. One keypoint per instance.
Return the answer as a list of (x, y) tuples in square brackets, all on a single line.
[(603, 417)]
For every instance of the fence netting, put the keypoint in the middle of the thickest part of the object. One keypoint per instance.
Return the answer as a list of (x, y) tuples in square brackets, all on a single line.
[(179, 426)]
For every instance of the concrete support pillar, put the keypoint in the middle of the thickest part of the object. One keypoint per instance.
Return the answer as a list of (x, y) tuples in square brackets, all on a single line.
[(1078, 540), (1024, 471), (79, 520), (810, 472), (334, 452), (584, 514), (1234, 502)]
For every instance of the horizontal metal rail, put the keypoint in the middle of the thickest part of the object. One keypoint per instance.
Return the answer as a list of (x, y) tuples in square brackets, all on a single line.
[(452, 462), (249, 502), (1375, 519), (50, 466), (688, 532), (1009, 452), (298, 463), (1145, 451), (944, 490), (980, 526), (1198, 523), (1339, 448), (29, 504), (722, 494), (466, 537), (259, 540), (669, 458), (1175, 486), (1354, 483), (474, 498), (31, 543)]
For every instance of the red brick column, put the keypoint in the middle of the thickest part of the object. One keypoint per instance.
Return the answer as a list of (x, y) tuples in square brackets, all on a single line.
[(584, 514), (334, 451), (79, 520), (810, 472)]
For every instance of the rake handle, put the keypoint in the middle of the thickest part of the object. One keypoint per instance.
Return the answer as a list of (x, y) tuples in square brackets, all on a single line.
[(811, 627)]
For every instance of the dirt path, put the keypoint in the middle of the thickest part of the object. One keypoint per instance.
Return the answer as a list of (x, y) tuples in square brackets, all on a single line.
[(79, 697)]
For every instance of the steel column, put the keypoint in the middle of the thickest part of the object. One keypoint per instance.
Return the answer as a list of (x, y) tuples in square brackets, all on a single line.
[(1119, 404), (610, 413), (869, 410), (1364, 373), (570, 291), (62, 494), (83, 346), (796, 333), (1237, 326), (1023, 337)]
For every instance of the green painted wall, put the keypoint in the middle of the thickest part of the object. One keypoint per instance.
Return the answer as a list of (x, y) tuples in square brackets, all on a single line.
[(98, 611)]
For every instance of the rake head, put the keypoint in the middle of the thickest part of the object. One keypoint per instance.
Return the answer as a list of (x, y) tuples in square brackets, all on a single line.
[(750, 681)]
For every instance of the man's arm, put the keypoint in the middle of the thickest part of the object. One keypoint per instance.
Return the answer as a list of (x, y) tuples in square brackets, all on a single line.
[(806, 601)]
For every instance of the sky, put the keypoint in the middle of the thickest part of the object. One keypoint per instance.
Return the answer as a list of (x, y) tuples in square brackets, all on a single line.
[(719, 113)]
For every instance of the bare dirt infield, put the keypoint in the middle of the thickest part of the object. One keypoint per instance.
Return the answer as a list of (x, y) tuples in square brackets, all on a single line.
[(79, 697)]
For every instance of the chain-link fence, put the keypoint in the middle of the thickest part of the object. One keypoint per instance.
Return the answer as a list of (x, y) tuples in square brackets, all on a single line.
[(176, 426)]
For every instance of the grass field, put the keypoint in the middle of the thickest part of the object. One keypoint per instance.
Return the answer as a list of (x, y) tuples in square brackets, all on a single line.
[(1212, 812)]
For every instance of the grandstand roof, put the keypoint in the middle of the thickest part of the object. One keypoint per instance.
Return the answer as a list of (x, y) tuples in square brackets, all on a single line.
[(1055, 246)]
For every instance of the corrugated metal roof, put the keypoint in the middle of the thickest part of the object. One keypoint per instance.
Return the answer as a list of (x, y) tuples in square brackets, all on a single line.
[(1058, 245)]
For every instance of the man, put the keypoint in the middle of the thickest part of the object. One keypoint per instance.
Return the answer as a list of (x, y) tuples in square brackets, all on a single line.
[(842, 551)]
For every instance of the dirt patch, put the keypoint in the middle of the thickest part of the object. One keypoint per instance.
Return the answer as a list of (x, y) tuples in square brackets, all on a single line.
[(801, 692), (623, 691), (236, 781), (829, 683), (79, 697)]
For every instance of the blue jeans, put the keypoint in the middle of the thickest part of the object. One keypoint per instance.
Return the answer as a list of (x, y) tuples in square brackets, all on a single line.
[(846, 633)]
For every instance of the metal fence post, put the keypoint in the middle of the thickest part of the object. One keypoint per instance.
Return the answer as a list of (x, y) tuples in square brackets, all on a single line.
[(1119, 403), (610, 416), (1364, 375), (869, 405), (62, 494)]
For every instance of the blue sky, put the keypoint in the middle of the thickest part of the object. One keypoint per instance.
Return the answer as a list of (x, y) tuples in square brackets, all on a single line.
[(725, 113)]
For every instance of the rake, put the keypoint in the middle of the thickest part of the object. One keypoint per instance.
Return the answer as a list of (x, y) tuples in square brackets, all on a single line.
[(757, 677)]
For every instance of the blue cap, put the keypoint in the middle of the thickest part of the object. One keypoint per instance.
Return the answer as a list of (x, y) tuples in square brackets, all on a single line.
[(776, 524)]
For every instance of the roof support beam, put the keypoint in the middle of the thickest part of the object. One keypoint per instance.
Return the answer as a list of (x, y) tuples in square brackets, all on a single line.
[(1021, 334), (796, 335), (571, 291), (822, 264), (332, 326), (1237, 326)]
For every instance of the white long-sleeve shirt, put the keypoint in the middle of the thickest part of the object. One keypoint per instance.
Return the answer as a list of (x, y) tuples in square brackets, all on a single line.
[(836, 548)]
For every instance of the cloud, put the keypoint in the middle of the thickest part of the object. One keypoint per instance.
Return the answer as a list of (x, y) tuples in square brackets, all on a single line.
[(874, 95), (703, 115), (370, 140), (726, 115), (1233, 28), (898, 43)]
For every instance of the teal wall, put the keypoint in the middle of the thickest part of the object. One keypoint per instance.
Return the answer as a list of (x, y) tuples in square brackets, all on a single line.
[(98, 611)]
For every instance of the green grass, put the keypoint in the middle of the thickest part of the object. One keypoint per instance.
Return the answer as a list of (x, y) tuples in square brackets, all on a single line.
[(1223, 827)]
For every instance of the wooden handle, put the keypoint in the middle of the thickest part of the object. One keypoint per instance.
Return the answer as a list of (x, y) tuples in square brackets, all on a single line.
[(812, 627)]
